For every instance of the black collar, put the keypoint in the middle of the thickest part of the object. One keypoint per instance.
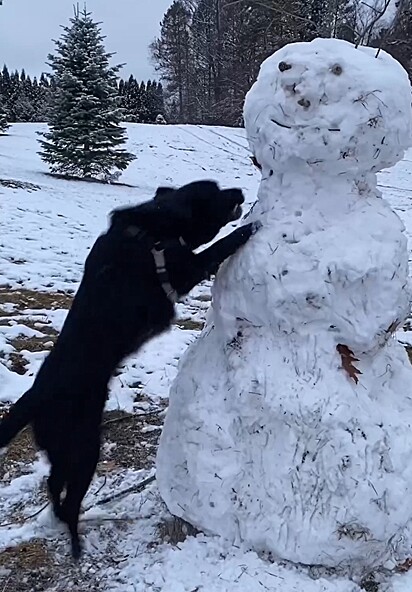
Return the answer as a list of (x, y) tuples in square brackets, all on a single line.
[(157, 248)]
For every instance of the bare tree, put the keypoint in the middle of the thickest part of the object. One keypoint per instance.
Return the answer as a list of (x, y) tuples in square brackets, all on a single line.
[(370, 18)]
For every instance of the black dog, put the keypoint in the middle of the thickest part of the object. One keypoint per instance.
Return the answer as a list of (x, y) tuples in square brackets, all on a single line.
[(132, 277)]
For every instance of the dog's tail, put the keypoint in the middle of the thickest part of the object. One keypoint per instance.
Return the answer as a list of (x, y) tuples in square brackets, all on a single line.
[(19, 415)]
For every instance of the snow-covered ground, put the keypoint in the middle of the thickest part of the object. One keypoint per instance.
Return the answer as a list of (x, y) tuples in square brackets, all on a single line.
[(46, 230)]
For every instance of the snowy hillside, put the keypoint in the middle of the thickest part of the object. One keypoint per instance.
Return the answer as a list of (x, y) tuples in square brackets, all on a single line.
[(47, 226)]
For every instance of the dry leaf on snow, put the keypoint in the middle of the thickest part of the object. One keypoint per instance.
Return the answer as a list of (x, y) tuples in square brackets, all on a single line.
[(348, 358)]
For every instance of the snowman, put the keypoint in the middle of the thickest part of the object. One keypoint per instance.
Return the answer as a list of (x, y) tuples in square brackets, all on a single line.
[(290, 422)]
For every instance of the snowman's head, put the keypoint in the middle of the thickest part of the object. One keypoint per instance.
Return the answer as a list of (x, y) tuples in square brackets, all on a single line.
[(337, 107)]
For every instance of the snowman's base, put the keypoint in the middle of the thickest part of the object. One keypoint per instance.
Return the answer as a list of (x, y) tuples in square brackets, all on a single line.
[(319, 473)]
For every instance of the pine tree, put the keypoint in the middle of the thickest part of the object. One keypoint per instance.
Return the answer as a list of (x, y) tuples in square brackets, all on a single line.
[(131, 100), (159, 101), (151, 97), (4, 124), (5, 84), (85, 135), (43, 99)]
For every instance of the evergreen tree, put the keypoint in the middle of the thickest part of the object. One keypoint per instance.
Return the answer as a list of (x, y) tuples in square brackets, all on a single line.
[(3, 116), (4, 125), (23, 100), (151, 92), (131, 100), (159, 100), (5, 84), (85, 135), (43, 99)]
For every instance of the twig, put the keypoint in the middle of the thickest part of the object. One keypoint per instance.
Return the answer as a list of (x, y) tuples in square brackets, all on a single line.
[(133, 489), (275, 9), (116, 420), (105, 519), (391, 27), (131, 416), (25, 519), (101, 486), (368, 28)]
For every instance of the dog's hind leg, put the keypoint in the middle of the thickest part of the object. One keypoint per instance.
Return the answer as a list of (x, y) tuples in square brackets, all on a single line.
[(79, 478), (55, 484)]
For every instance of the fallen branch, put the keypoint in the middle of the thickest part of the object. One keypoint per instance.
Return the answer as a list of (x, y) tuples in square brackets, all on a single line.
[(27, 517), (133, 489), (131, 416)]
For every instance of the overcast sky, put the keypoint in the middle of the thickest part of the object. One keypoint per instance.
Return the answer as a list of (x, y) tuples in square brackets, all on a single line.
[(27, 27)]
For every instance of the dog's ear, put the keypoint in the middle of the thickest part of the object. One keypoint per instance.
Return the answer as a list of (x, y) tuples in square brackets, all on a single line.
[(122, 216), (163, 191)]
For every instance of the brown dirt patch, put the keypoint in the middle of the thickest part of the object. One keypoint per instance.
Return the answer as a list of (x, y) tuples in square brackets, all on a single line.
[(189, 324), (34, 299), (135, 438), (132, 444), (30, 299), (30, 566), (33, 344), (17, 363), (20, 453), (175, 530)]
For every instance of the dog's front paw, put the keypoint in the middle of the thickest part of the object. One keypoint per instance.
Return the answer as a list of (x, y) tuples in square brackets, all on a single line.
[(242, 234), (256, 226)]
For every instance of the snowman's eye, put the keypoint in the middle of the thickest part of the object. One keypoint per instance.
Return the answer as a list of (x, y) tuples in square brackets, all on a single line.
[(305, 103), (284, 66), (336, 69)]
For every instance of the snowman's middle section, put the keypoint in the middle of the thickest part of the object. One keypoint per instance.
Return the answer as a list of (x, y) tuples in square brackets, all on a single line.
[(331, 258)]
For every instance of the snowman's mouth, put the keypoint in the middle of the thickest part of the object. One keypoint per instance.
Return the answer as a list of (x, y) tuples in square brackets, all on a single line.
[(281, 124), (330, 129)]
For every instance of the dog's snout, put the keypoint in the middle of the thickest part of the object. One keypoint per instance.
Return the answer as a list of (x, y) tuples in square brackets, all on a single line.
[(234, 195)]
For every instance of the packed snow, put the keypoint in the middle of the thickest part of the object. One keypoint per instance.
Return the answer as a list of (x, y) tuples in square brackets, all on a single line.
[(268, 441), (46, 231)]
